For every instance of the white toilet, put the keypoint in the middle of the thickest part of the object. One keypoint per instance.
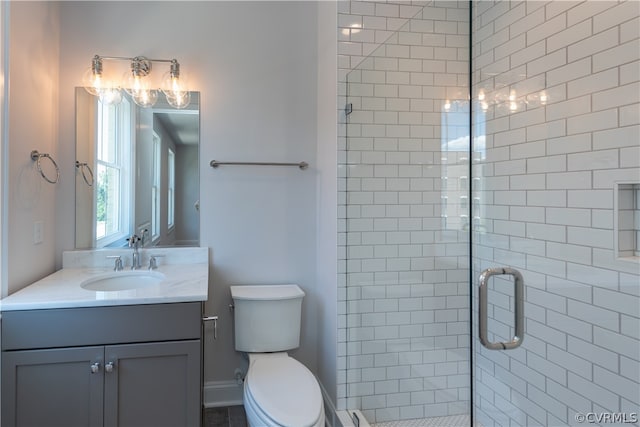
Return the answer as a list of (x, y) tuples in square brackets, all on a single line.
[(279, 391)]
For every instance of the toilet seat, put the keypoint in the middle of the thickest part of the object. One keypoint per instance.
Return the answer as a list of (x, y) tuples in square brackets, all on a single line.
[(282, 391)]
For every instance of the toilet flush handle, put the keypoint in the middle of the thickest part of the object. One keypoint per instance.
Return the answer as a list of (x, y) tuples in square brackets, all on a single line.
[(213, 319)]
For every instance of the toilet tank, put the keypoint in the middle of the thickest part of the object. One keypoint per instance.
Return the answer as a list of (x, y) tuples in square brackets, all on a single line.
[(267, 317)]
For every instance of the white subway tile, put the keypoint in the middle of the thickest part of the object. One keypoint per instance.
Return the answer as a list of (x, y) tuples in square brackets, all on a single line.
[(546, 266), (623, 344), (618, 96), (600, 120), (568, 216), (615, 138), (616, 301), (510, 167), (547, 164), (617, 384), (570, 108), (523, 56), (547, 62), (595, 276), (569, 144), (527, 214), (392, 10), (615, 56), (546, 368), (590, 236), (629, 369), (572, 253), (527, 182), (616, 15), (445, 27), (546, 29), (548, 198), (569, 36), (630, 30), (590, 199), (592, 45), (592, 391), (586, 10), (547, 232), (594, 84), (607, 178), (630, 114), (630, 157), (600, 159), (568, 396)]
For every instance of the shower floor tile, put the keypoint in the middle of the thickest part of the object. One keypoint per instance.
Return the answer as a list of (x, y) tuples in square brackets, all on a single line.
[(450, 421)]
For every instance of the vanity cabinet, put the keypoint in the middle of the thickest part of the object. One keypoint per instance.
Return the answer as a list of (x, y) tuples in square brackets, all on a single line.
[(104, 366)]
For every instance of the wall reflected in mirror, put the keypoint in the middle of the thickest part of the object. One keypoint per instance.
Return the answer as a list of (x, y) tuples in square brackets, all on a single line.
[(136, 173)]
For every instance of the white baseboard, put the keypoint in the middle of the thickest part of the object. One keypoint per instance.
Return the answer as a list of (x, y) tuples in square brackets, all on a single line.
[(329, 408), (222, 393)]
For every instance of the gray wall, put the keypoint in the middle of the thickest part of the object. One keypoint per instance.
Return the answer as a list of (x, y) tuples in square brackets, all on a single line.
[(33, 114)]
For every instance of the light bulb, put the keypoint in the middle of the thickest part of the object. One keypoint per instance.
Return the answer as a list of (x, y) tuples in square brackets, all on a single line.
[(174, 86), (447, 105), (92, 77), (179, 100), (138, 83), (145, 98), (481, 96)]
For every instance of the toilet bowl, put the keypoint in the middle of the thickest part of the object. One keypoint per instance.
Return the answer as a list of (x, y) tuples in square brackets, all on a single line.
[(280, 391)]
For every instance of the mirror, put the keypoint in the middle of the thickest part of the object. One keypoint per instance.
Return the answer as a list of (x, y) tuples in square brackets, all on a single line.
[(136, 173)]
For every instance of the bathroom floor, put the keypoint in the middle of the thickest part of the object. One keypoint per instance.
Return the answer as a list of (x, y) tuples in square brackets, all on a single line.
[(230, 416)]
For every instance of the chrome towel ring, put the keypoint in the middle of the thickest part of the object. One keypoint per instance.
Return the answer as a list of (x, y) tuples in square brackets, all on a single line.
[(36, 156), (84, 166)]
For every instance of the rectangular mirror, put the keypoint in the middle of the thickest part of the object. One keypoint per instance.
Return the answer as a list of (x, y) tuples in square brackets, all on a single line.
[(136, 173)]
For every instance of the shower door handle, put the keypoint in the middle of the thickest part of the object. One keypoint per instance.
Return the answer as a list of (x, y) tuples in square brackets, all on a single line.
[(518, 312)]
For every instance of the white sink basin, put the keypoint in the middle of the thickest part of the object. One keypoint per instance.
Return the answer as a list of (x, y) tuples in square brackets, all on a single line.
[(122, 281)]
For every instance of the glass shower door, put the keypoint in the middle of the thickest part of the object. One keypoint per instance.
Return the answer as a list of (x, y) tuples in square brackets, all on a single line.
[(406, 223), (555, 171)]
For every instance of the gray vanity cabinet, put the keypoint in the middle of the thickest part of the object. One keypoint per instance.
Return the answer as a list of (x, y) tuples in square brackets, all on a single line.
[(52, 387), (145, 370), (155, 384)]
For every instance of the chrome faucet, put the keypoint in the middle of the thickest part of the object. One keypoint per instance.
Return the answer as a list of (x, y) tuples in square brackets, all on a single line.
[(134, 243)]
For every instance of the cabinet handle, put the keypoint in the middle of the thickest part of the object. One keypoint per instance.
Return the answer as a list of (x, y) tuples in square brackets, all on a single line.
[(109, 367), (213, 319), (95, 367)]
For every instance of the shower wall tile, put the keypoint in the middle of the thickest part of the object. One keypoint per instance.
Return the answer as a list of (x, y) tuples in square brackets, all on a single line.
[(581, 347)]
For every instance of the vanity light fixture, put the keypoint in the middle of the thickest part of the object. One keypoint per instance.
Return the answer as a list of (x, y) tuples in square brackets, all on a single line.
[(137, 82)]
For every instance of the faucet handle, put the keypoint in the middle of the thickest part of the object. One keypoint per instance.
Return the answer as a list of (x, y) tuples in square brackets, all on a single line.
[(118, 262), (153, 262), (133, 241)]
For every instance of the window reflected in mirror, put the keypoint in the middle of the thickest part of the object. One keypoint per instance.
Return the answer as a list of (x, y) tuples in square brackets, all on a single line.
[(113, 171), (146, 163)]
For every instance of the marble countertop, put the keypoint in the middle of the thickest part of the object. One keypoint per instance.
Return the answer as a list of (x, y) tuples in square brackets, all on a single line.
[(185, 270)]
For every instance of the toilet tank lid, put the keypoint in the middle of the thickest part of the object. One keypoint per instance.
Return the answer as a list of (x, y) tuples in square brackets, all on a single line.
[(266, 292)]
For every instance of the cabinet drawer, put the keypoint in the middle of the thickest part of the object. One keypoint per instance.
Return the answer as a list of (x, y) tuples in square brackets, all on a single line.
[(84, 326)]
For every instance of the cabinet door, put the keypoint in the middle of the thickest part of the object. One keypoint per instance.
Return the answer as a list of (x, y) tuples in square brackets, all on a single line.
[(153, 384), (54, 387)]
